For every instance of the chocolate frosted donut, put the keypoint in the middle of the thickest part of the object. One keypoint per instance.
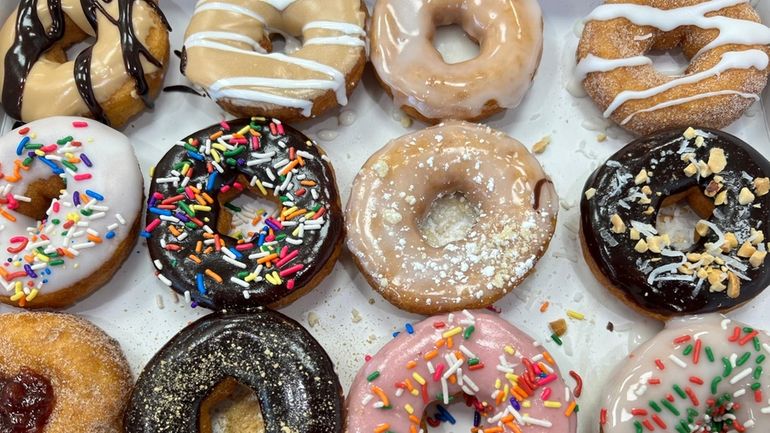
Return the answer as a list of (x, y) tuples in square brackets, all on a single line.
[(289, 371), (288, 252), (725, 182)]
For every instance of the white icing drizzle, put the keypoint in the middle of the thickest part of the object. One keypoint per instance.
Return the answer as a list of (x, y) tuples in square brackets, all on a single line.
[(224, 36), (685, 100), (280, 5), (347, 28), (592, 63), (227, 7), (336, 40)]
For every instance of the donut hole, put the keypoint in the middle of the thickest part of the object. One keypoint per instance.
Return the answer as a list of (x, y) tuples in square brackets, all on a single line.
[(671, 63), (40, 192), (678, 215), (231, 408), (450, 218), (455, 44), (76, 48), (435, 420), (283, 43), (242, 214)]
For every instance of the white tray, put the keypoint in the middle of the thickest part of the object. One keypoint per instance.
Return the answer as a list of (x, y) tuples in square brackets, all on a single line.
[(127, 307)]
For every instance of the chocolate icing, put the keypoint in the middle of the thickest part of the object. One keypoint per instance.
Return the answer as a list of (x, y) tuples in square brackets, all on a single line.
[(32, 40), (289, 371), (317, 245), (622, 265)]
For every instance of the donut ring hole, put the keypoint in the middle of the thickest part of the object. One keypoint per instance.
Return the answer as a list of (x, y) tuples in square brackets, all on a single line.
[(231, 408), (41, 193), (434, 420), (250, 201), (455, 35), (678, 215), (671, 63), (282, 43), (450, 217)]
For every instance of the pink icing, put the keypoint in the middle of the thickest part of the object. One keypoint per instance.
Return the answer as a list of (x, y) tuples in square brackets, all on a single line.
[(488, 342)]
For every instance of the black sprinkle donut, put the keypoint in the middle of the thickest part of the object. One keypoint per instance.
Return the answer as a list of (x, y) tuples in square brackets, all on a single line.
[(287, 253), (725, 182), (288, 370)]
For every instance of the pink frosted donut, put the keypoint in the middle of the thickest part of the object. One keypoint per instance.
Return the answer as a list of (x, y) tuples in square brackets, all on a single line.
[(512, 380)]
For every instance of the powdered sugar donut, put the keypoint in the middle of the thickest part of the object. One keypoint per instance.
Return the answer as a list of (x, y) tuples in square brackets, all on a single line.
[(70, 198)]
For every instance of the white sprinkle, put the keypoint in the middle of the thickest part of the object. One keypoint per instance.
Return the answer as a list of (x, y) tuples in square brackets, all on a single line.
[(120, 219), (159, 302), (158, 264), (83, 245), (239, 281), (164, 280), (677, 361), (740, 376), (234, 262), (538, 422)]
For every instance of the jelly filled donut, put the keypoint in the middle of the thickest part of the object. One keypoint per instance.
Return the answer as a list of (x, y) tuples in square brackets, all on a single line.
[(70, 200), (278, 359), (726, 44), (513, 383), (724, 180), (284, 255), (700, 374), (510, 38), (111, 80), (60, 374), (228, 52), (395, 190)]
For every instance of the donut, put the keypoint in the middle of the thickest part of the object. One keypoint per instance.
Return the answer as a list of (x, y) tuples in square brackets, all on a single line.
[(726, 45), (513, 383), (60, 374), (285, 253), (699, 374), (724, 180), (108, 84), (515, 203), (291, 374), (70, 201), (228, 52), (412, 71)]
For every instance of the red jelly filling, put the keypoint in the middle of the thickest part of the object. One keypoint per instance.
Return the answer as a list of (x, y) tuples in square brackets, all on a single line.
[(26, 402)]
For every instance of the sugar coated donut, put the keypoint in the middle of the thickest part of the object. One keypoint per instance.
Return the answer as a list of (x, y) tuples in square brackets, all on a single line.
[(510, 36), (291, 374), (111, 80), (515, 201), (70, 199), (228, 52), (283, 254), (700, 374), (724, 180), (726, 44), (513, 383), (60, 374)]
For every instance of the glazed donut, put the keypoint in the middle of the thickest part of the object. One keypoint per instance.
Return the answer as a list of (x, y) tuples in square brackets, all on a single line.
[(277, 358), (395, 190), (510, 36), (228, 52), (60, 374), (287, 252), (111, 85), (496, 366), (699, 374), (70, 200), (724, 180), (724, 40)]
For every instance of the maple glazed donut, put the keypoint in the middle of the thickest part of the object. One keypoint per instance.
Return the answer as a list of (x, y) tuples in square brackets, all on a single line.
[(515, 201), (111, 81), (512, 382), (288, 370), (283, 254), (412, 71), (228, 52), (699, 374), (60, 374), (724, 40), (70, 202), (724, 180)]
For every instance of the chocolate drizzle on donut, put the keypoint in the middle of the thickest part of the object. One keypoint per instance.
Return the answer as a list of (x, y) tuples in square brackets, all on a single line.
[(538, 190), (26, 402), (32, 40), (189, 242), (711, 275), (288, 370)]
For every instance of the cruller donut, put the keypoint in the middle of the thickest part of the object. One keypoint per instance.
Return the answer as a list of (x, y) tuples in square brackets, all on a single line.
[(724, 180), (284, 255), (395, 189), (510, 37), (60, 374), (699, 374), (724, 40), (288, 370), (111, 81), (228, 52)]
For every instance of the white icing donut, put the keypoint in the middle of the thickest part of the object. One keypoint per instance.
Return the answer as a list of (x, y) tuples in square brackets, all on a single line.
[(89, 227)]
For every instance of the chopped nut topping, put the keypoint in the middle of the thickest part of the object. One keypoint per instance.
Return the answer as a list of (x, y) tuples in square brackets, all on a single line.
[(717, 160), (733, 285), (693, 257), (699, 141), (712, 188), (703, 169), (590, 193), (646, 190), (721, 198), (758, 235), (541, 145), (618, 226), (634, 233), (559, 327), (762, 186), (641, 246), (757, 258), (685, 269), (715, 278), (745, 196), (645, 200), (746, 250), (689, 133), (642, 177), (691, 170), (655, 244), (730, 242), (601, 137), (649, 210), (702, 273), (701, 228)]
